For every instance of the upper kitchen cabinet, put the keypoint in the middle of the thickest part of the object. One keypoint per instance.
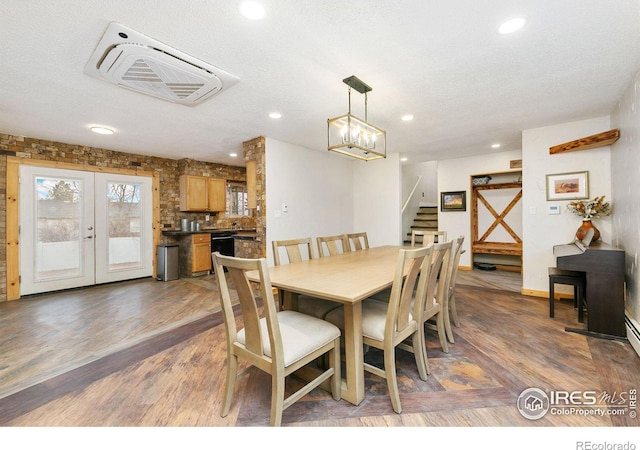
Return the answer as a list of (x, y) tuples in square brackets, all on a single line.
[(252, 200), (217, 194), (202, 193)]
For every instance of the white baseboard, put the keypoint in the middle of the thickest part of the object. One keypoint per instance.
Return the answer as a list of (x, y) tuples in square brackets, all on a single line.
[(633, 333)]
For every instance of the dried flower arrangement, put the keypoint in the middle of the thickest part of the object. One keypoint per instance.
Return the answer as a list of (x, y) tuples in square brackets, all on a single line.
[(590, 209)]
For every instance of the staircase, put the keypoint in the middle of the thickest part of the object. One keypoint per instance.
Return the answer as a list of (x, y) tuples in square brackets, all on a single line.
[(426, 219)]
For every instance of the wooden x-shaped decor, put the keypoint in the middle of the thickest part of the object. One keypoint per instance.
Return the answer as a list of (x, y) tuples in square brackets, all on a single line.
[(499, 218)]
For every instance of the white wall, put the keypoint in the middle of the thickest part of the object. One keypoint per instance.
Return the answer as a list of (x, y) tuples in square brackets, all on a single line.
[(317, 188), (328, 194), (454, 175), (377, 203), (427, 191), (542, 231), (625, 172)]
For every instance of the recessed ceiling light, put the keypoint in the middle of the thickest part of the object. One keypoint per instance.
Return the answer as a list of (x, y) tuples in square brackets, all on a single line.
[(233, 155), (102, 130), (407, 117), (495, 145), (252, 10), (404, 159), (511, 25), (275, 115)]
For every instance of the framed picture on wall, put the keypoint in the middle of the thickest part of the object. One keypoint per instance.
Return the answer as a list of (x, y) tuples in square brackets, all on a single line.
[(453, 201), (568, 186)]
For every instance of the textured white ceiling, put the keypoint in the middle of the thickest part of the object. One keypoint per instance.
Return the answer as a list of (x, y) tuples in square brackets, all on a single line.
[(440, 60)]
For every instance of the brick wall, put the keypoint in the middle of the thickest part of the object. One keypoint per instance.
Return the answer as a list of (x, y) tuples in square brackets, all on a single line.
[(254, 150), (168, 170)]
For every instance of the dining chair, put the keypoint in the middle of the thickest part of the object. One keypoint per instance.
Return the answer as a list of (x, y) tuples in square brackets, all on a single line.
[(385, 325), (435, 300), (358, 241), (420, 239), (278, 343), (297, 250), (334, 245), (451, 312), (427, 237)]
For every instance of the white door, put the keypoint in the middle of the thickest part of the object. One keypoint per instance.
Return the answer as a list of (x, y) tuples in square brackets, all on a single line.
[(79, 228), (56, 229), (124, 229)]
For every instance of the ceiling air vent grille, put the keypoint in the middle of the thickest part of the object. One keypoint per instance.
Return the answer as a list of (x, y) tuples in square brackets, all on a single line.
[(134, 61)]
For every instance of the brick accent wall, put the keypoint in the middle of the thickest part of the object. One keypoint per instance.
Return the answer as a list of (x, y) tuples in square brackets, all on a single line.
[(254, 150), (169, 171)]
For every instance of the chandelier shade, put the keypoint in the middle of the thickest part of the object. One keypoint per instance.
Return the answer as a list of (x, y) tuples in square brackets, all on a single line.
[(352, 136)]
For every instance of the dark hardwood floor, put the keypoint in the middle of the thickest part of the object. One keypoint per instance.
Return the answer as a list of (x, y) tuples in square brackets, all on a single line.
[(152, 354)]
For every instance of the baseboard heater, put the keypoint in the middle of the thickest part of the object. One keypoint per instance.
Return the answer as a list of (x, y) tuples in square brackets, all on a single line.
[(633, 333)]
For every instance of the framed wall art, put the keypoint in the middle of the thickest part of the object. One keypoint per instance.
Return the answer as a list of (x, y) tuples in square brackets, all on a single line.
[(453, 201), (568, 186)]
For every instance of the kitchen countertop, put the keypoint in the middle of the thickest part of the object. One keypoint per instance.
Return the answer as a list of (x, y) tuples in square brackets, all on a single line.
[(183, 233), (246, 233)]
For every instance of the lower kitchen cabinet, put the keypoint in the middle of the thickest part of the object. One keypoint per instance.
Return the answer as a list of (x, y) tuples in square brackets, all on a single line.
[(200, 253)]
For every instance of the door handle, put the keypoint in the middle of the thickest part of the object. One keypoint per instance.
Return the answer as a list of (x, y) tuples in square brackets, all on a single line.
[(88, 237)]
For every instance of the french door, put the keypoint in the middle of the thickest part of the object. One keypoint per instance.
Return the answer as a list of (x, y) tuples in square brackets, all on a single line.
[(80, 228)]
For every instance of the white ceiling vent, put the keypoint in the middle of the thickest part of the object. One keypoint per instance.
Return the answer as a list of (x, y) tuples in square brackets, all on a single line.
[(134, 61)]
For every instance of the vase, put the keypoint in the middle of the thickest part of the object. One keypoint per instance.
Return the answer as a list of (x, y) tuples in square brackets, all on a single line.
[(586, 226)]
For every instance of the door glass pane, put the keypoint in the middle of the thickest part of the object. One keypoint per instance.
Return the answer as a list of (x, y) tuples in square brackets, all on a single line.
[(58, 252), (125, 223)]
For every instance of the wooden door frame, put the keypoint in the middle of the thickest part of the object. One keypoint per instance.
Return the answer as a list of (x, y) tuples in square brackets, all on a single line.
[(13, 217)]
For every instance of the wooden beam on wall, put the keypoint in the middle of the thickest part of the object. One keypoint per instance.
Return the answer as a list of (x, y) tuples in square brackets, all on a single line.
[(594, 141)]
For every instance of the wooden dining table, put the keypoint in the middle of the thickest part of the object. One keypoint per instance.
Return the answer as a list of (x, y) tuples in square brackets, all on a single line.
[(347, 278)]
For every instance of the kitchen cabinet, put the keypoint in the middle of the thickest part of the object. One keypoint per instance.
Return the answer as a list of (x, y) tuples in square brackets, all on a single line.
[(199, 193), (217, 194), (200, 252), (252, 200)]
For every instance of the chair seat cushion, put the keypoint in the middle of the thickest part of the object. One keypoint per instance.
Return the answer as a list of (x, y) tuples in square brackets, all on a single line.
[(374, 317), (315, 307), (382, 296), (301, 335)]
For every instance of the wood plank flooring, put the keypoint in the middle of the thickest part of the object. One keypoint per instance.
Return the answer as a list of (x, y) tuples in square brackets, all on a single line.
[(147, 354)]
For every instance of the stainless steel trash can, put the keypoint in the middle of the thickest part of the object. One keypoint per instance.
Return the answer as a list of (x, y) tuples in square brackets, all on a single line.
[(168, 262)]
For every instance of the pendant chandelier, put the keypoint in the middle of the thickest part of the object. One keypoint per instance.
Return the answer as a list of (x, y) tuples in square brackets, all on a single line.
[(353, 136)]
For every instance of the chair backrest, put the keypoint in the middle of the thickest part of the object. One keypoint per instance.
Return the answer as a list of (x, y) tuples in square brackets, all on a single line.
[(420, 238), (455, 262), (435, 287), (334, 245), (358, 241), (408, 275), (296, 250), (254, 345)]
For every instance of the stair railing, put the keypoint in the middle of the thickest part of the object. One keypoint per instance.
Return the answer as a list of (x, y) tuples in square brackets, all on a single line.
[(413, 191)]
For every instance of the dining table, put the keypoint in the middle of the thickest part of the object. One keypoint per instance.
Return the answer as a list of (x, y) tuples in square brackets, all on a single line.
[(347, 278)]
